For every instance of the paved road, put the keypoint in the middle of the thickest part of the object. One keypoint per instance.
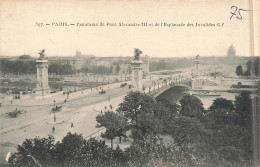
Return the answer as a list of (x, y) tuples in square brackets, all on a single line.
[(81, 109), (38, 121)]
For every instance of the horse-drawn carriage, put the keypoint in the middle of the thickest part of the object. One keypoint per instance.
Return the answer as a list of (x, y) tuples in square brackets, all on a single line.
[(123, 85), (56, 108), (16, 113), (102, 92)]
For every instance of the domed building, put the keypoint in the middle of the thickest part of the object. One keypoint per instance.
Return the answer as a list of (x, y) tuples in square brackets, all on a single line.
[(231, 51)]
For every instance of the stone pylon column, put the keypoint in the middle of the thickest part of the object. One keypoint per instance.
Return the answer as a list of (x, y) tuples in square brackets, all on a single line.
[(42, 86), (146, 72), (196, 82), (137, 75), (197, 62)]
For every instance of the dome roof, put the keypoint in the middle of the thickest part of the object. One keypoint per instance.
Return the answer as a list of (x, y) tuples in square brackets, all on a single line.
[(231, 51)]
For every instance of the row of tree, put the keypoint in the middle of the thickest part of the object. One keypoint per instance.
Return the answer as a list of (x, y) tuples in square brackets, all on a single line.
[(28, 66), (18, 66), (171, 64), (97, 70), (60, 69), (218, 136), (252, 66)]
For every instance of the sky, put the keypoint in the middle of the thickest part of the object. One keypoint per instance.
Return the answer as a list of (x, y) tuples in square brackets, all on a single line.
[(19, 34)]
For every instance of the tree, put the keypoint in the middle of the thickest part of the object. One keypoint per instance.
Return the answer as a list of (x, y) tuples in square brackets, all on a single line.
[(119, 157), (243, 110), (186, 130), (171, 106), (96, 153), (255, 64), (239, 70), (221, 103), (191, 106), (61, 69), (34, 152), (145, 114), (25, 57), (146, 124), (117, 68), (219, 118), (166, 111), (73, 150), (18, 66), (246, 73), (134, 103), (230, 138), (220, 113), (115, 124), (153, 152), (68, 149)]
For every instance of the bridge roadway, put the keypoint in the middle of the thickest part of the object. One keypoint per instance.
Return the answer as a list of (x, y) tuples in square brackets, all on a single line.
[(81, 109)]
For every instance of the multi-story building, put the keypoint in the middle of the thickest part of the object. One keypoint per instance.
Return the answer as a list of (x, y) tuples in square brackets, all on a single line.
[(77, 62)]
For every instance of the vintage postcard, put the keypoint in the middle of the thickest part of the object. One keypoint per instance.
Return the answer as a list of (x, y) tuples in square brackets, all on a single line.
[(142, 83)]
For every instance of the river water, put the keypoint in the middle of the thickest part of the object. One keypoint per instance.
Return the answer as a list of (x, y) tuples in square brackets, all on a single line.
[(175, 94), (208, 100)]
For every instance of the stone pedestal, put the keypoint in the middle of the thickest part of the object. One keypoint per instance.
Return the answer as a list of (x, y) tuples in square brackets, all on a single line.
[(42, 87), (137, 75), (196, 84)]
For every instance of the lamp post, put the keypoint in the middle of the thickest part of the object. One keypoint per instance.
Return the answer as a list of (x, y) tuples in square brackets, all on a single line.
[(54, 109), (108, 94), (108, 91)]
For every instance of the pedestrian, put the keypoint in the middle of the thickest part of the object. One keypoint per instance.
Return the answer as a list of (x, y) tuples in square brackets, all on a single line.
[(11, 101), (71, 125), (101, 112), (53, 129)]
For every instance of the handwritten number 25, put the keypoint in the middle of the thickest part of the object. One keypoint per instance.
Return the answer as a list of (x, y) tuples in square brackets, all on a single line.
[(236, 12)]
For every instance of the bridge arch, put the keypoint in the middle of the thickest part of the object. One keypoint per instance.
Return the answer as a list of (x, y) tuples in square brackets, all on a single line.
[(172, 91)]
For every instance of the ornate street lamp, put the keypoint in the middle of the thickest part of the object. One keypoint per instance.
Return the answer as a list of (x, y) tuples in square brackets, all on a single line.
[(54, 109)]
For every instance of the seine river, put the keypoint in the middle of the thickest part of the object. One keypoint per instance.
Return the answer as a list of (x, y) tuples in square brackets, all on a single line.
[(208, 100), (174, 94)]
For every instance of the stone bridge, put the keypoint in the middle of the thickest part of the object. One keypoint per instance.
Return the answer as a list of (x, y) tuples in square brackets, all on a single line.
[(185, 84)]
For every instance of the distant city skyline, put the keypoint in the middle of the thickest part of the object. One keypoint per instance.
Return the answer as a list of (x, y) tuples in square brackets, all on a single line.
[(19, 34), (143, 55)]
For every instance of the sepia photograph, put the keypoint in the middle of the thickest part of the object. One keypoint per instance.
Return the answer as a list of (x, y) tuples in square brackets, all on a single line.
[(120, 83)]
